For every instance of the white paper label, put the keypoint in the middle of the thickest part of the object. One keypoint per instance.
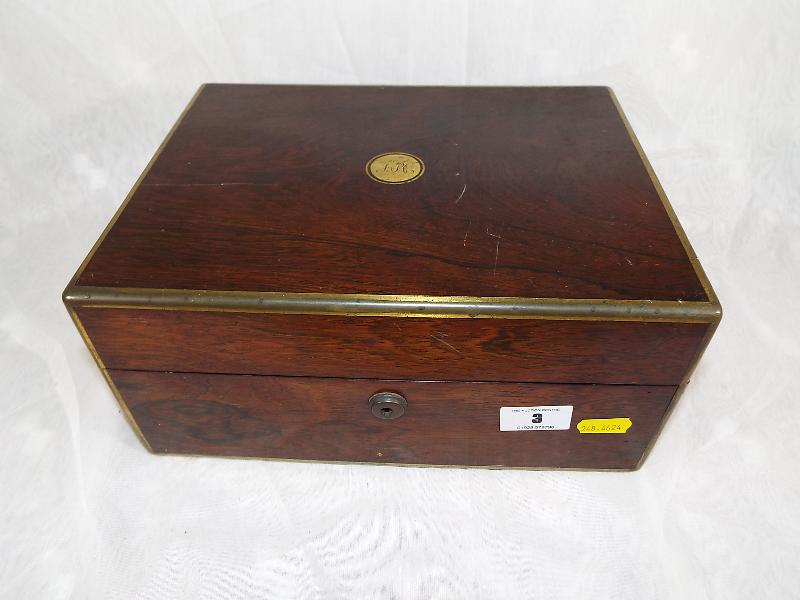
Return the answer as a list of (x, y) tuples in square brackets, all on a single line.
[(534, 418)]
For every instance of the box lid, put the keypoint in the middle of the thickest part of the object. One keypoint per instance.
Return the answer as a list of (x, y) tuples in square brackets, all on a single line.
[(389, 199)]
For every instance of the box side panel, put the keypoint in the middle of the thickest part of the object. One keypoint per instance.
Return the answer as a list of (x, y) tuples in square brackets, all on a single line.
[(328, 419), (528, 350)]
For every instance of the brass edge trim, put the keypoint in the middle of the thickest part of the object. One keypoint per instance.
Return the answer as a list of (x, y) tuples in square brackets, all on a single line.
[(371, 463), (73, 282), (133, 190), (701, 275), (687, 246), (117, 394), (397, 306), (701, 348)]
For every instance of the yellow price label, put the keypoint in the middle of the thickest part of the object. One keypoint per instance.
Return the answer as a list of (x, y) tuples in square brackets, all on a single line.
[(604, 425)]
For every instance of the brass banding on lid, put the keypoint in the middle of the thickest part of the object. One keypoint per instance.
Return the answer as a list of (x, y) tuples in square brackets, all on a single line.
[(398, 305)]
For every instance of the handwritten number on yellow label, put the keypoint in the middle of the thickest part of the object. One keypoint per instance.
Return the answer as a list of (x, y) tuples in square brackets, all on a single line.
[(604, 425)]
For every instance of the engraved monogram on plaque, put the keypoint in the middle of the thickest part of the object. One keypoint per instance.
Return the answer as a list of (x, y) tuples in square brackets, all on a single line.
[(395, 167)]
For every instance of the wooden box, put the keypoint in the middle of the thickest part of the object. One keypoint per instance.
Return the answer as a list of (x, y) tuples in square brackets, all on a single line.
[(414, 275)]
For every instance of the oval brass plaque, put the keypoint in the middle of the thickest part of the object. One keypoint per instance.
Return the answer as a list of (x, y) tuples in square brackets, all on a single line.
[(395, 167)]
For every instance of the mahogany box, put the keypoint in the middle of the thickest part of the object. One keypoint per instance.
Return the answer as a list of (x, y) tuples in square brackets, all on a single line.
[(413, 275)]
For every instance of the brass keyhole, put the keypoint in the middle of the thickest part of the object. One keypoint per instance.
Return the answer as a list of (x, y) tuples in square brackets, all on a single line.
[(387, 405)]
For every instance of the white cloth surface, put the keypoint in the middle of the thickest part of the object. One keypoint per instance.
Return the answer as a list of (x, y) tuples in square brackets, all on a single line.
[(88, 90)]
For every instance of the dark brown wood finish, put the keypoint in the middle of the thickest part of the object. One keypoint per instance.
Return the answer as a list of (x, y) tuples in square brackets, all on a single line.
[(534, 195), (530, 192), (392, 347), (329, 419)]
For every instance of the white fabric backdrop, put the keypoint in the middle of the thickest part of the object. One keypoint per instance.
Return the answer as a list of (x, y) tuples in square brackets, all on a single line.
[(88, 90)]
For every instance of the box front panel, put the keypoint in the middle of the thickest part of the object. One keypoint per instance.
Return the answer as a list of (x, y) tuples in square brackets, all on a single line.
[(522, 350), (442, 423)]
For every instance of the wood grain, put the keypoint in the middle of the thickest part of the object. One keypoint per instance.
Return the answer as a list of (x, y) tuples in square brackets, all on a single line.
[(527, 192), (390, 347), (532, 192), (329, 419)]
